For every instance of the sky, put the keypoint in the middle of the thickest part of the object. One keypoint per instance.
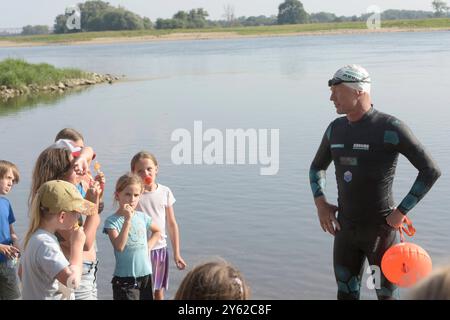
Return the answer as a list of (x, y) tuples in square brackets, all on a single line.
[(18, 13)]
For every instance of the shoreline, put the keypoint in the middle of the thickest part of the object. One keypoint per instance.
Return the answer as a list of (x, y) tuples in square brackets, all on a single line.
[(211, 36), (7, 93)]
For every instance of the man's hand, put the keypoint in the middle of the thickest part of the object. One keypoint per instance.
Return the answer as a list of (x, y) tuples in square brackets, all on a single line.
[(395, 219), (327, 216)]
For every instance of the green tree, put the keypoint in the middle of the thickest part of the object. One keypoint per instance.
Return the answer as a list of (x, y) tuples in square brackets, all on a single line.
[(197, 18), (60, 24), (99, 16), (322, 17), (292, 12), (147, 23), (31, 30), (440, 8)]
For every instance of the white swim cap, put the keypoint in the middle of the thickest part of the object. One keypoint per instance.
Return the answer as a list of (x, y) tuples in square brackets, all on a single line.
[(353, 76)]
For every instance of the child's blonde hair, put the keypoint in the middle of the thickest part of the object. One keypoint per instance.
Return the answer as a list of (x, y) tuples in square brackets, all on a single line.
[(214, 280), (126, 180), (434, 287), (142, 155), (69, 134), (52, 164), (37, 214), (5, 166)]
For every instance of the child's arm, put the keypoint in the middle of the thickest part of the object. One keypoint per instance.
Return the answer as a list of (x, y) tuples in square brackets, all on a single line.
[(14, 238), (156, 235), (77, 239), (81, 163), (92, 222), (90, 226), (172, 227)]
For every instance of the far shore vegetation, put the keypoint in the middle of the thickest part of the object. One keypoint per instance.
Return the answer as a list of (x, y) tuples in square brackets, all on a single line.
[(91, 20), (424, 24)]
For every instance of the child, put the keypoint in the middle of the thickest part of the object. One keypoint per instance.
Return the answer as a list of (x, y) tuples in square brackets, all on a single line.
[(56, 206), (74, 141), (436, 286), (57, 163), (9, 249), (127, 229), (216, 280), (157, 201)]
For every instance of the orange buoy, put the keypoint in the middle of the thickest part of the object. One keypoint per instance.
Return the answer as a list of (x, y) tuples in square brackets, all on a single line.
[(405, 264)]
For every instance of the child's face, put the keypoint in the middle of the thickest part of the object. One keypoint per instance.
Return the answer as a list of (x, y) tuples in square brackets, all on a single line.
[(146, 168), (68, 219), (6, 182), (130, 195), (71, 176)]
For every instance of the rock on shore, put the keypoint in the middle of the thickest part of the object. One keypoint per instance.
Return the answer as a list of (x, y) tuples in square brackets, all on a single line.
[(7, 93)]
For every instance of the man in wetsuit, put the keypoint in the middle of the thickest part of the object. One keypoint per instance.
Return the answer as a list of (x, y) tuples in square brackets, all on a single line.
[(364, 146)]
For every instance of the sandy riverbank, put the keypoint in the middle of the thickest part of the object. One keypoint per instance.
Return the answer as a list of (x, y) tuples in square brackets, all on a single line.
[(211, 36)]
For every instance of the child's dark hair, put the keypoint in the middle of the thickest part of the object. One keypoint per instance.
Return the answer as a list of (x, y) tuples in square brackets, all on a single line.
[(126, 180), (142, 155), (215, 280), (69, 134), (4, 168)]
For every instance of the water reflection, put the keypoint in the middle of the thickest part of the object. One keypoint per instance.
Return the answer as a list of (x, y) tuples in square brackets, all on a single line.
[(30, 101)]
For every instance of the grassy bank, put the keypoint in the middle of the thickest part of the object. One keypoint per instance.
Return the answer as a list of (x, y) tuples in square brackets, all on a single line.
[(20, 78), (16, 74), (243, 31)]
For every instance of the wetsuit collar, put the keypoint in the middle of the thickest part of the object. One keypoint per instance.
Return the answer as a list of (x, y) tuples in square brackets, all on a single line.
[(369, 114)]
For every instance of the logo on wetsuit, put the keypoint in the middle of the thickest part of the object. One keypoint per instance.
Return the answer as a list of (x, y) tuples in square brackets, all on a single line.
[(361, 146), (348, 176)]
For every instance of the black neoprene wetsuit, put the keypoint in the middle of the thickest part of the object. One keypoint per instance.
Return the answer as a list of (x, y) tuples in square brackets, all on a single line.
[(365, 155)]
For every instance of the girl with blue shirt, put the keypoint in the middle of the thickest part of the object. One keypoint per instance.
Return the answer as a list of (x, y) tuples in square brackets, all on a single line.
[(127, 229)]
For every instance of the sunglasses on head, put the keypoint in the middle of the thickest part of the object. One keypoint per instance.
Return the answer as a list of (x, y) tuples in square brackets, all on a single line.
[(336, 81)]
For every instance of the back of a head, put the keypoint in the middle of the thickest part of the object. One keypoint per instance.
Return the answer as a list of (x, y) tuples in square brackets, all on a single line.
[(215, 280), (434, 287), (69, 134)]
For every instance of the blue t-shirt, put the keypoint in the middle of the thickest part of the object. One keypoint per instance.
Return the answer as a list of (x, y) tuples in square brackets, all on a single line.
[(80, 188), (6, 218), (134, 260)]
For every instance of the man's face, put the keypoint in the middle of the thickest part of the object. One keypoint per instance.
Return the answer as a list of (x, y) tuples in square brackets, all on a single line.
[(6, 182), (345, 99)]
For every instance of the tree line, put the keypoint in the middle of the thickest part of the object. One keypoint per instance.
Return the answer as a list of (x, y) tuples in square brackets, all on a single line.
[(98, 15)]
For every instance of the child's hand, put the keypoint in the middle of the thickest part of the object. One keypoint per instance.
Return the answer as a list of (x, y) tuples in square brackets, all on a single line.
[(179, 262), (80, 166), (128, 211), (100, 177), (8, 251), (93, 193)]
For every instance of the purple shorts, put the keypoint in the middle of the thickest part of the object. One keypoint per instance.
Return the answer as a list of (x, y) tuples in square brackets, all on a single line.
[(160, 268)]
